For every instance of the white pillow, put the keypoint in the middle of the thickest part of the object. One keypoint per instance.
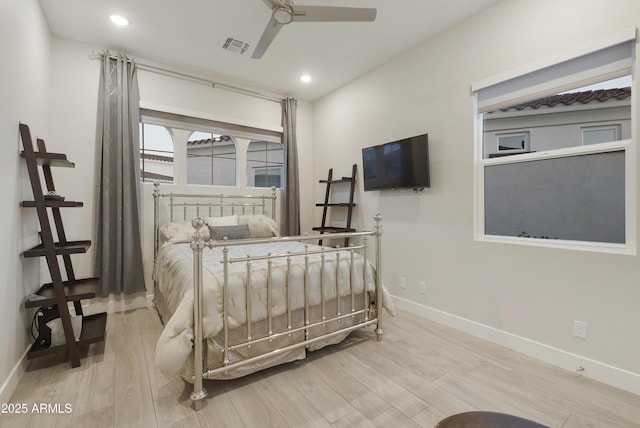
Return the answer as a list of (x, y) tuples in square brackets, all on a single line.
[(260, 225), (181, 231), (230, 220)]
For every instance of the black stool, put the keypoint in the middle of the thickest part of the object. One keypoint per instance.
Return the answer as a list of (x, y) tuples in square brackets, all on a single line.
[(486, 420)]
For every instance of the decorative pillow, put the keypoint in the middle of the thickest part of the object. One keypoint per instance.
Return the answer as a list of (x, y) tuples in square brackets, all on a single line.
[(260, 225), (180, 231), (230, 220), (240, 231)]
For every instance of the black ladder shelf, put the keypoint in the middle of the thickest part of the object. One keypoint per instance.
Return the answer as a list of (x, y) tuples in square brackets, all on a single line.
[(330, 181), (58, 292)]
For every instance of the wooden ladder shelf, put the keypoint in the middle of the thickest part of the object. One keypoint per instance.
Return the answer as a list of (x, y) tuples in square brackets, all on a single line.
[(349, 204), (59, 291)]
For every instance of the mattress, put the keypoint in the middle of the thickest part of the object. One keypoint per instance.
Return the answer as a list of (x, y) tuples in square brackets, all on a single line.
[(329, 274)]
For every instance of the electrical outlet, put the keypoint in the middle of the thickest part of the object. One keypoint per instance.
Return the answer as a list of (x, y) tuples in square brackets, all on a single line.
[(580, 329), (422, 287), (403, 282)]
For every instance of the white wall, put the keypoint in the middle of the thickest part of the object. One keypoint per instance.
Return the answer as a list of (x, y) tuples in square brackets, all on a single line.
[(523, 297), (24, 97)]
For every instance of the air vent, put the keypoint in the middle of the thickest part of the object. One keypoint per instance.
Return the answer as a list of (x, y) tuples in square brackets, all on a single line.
[(236, 46)]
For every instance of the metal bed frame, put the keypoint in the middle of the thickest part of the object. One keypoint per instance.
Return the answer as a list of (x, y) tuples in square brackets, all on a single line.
[(254, 204)]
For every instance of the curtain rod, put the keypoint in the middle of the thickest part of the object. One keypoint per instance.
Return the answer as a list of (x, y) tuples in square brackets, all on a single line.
[(191, 78)]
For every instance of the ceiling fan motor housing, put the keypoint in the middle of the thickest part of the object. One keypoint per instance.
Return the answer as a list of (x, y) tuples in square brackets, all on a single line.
[(283, 14)]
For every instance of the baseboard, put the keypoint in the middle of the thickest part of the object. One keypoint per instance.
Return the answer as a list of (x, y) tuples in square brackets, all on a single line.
[(614, 376), (9, 386)]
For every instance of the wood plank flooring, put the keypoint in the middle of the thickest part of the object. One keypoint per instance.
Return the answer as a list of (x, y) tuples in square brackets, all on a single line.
[(419, 374)]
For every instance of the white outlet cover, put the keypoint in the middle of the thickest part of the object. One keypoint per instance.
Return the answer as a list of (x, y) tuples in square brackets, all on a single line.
[(422, 286), (580, 329)]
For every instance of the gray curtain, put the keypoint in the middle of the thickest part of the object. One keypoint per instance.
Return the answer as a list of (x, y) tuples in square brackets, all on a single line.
[(118, 253), (292, 180)]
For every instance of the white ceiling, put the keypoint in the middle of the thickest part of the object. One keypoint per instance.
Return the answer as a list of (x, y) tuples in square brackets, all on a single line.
[(189, 34)]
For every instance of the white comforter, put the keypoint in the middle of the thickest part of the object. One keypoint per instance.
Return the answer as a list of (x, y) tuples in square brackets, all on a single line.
[(174, 273)]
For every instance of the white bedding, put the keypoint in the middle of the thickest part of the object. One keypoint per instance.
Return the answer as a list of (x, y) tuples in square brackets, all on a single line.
[(174, 273)]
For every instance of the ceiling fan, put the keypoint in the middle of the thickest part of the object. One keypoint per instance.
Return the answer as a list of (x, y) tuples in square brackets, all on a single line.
[(284, 12)]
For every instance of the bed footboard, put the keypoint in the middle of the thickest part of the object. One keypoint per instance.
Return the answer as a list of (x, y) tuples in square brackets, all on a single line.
[(346, 309)]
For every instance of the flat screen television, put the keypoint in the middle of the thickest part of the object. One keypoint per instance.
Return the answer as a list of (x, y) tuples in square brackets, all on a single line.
[(397, 165)]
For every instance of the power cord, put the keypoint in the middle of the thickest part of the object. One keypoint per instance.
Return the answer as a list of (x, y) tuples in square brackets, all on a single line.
[(34, 323)]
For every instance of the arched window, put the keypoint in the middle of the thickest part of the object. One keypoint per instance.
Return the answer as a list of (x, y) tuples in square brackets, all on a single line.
[(265, 164), (156, 153), (211, 159)]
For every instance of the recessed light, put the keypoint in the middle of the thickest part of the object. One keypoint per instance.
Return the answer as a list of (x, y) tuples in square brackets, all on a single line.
[(119, 20), (305, 78)]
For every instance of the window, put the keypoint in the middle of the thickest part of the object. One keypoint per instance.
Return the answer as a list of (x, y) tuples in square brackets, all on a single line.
[(566, 126), (267, 177), (513, 142), (211, 159), (506, 144), (156, 153), (208, 152), (600, 134), (265, 164)]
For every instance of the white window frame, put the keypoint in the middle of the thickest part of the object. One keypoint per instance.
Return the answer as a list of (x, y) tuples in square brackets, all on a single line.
[(266, 165), (628, 146), (212, 156), (615, 127), (278, 168), (142, 149)]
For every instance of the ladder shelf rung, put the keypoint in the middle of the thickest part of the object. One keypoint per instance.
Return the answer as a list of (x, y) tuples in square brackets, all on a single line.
[(333, 229), (52, 159), (53, 204), (93, 330), (339, 180), (75, 290), (61, 248)]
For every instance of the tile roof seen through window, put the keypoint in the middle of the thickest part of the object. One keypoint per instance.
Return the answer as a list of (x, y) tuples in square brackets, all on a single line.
[(568, 99), (208, 140), (151, 176), (149, 156)]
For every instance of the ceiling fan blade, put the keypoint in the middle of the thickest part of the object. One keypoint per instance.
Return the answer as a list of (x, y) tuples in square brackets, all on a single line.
[(268, 35), (271, 3), (329, 13)]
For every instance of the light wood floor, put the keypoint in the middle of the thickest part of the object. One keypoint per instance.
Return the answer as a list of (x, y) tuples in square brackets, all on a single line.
[(420, 373)]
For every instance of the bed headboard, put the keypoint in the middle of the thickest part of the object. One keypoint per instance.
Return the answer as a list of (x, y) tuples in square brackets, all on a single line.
[(186, 206)]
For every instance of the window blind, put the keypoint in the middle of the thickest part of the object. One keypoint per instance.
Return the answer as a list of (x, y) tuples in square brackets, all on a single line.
[(600, 61)]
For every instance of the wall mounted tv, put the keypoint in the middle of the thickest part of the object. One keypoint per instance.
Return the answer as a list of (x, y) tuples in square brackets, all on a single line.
[(397, 165)]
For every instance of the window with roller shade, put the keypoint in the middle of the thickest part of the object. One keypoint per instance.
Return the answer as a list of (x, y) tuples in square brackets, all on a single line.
[(555, 162)]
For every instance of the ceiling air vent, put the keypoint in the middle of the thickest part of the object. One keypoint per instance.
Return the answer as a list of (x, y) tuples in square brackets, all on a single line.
[(236, 46)]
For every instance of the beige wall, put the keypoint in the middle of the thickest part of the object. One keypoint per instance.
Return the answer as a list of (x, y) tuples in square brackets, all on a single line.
[(523, 297)]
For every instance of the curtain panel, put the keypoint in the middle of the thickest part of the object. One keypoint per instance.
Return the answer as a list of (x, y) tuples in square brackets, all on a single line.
[(118, 251), (292, 180)]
